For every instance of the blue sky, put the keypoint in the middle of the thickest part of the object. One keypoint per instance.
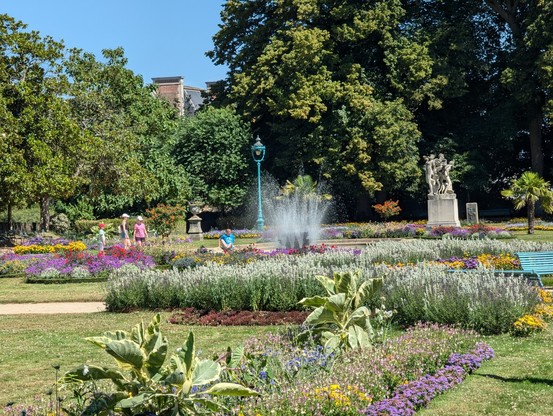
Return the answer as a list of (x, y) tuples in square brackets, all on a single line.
[(160, 38)]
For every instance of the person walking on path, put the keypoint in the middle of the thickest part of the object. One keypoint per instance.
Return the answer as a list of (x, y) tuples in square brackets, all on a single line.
[(140, 232), (226, 241), (124, 232), (101, 238)]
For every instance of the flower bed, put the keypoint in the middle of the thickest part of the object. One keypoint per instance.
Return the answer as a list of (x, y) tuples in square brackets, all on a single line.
[(481, 300), (407, 399), (244, 233), (49, 248), (79, 266), (403, 373), (191, 316), (384, 230)]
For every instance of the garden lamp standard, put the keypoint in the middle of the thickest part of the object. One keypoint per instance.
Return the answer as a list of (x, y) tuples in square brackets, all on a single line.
[(258, 154)]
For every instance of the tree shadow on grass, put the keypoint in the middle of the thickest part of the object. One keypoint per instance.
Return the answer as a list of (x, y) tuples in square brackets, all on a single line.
[(532, 380)]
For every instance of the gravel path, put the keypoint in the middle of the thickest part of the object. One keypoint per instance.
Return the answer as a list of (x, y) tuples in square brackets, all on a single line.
[(54, 307)]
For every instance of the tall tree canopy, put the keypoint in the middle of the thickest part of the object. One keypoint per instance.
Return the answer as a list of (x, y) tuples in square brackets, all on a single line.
[(346, 88), (213, 148), (131, 130), (42, 141), (495, 57), (330, 85)]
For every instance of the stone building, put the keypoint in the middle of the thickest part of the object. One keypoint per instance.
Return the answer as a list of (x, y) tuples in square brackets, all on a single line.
[(185, 98)]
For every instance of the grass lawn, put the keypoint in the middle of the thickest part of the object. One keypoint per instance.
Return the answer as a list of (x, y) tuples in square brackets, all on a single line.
[(32, 344), (15, 290), (517, 382), (538, 236)]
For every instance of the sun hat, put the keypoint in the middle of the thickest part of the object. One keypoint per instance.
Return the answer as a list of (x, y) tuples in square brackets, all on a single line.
[(101, 225), (125, 216), (139, 218)]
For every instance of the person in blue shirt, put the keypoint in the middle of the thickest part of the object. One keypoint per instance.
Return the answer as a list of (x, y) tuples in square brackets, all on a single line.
[(226, 241)]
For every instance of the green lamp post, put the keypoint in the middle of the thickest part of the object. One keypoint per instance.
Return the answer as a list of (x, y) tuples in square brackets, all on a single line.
[(258, 154)]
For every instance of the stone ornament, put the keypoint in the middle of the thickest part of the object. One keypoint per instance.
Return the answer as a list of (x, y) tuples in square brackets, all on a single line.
[(437, 174)]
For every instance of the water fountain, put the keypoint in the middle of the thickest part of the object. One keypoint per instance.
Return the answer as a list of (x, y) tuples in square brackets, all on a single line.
[(296, 211)]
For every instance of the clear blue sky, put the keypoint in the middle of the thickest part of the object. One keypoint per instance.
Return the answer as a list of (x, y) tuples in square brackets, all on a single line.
[(160, 38)]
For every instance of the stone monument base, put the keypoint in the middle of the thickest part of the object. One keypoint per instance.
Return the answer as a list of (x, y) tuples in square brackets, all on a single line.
[(443, 210), (195, 228)]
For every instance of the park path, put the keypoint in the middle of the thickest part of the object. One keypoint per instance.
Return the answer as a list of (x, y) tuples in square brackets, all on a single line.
[(51, 308)]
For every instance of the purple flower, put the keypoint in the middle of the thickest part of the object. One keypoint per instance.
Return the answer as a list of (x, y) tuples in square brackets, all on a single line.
[(416, 394)]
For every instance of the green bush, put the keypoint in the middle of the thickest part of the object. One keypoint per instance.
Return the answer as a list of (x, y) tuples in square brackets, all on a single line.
[(60, 224)]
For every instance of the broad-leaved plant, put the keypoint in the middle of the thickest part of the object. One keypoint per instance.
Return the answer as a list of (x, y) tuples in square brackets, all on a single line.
[(341, 320), (145, 383)]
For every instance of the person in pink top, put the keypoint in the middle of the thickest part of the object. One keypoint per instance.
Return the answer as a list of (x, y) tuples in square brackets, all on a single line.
[(140, 233)]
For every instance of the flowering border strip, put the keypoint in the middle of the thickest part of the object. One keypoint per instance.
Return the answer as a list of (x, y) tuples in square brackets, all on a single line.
[(410, 397)]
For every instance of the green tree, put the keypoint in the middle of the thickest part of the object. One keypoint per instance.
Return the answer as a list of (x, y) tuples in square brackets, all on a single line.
[(131, 130), (43, 137), (527, 191), (331, 84), (14, 180), (528, 58), (213, 148), (496, 56)]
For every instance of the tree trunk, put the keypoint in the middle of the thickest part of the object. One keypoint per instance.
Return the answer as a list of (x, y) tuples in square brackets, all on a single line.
[(45, 213), (10, 217), (536, 150), (531, 207)]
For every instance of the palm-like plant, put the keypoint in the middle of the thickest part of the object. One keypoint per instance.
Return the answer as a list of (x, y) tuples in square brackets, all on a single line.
[(305, 187), (527, 191)]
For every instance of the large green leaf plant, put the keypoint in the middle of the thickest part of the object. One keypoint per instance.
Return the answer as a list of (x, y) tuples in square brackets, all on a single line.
[(341, 321), (145, 383)]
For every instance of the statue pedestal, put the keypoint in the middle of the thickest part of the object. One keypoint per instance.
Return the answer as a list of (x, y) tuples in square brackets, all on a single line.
[(443, 210), (195, 228)]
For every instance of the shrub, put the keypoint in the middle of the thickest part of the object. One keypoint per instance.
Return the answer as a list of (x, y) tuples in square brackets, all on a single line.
[(388, 209), (60, 224), (163, 218)]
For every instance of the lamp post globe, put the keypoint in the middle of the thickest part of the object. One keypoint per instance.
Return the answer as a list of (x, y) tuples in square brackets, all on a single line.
[(258, 155)]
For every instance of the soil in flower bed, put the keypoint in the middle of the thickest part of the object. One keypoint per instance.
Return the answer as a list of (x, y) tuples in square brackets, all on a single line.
[(191, 316)]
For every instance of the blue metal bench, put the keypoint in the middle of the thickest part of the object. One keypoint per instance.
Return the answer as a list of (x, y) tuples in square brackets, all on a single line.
[(534, 265)]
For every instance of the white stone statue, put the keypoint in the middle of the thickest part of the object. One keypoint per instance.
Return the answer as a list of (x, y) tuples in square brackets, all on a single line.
[(437, 174)]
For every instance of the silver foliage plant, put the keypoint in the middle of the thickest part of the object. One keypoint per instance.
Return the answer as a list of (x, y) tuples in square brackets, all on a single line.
[(430, 293)]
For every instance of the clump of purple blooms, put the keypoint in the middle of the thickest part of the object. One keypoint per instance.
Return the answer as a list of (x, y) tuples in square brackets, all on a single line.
[(418, 393), (95, 264), (468, 262)]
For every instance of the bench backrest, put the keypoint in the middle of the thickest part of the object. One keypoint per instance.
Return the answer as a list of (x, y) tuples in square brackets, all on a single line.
[(541, 262)]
